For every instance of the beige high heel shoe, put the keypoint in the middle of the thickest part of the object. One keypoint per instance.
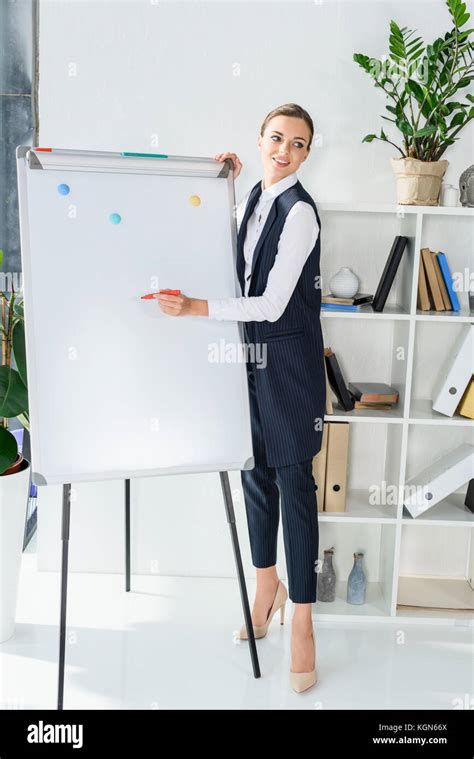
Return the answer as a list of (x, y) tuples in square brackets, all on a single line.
[(260, 631), (301, 681)]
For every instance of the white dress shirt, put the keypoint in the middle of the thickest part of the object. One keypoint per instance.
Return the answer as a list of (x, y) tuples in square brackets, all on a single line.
[(297, 240)]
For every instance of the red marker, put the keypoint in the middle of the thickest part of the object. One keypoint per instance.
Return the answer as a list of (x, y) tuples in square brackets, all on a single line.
[(166, 292)]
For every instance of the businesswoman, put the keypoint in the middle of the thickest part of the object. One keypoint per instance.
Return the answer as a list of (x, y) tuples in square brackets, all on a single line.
[(278, 269)]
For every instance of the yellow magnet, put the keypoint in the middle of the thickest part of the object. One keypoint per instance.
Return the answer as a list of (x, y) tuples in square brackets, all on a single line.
[(195, 200)]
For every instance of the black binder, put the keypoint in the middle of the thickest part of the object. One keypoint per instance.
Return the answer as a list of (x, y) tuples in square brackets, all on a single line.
[(469, 502), (336, 380), (388, 274)]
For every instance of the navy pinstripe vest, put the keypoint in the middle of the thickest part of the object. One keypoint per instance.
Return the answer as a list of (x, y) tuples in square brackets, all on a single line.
[(291, 389)]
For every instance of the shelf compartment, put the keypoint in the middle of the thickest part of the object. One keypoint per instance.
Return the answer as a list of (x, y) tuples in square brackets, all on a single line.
[(433, 350), (373, 475), (363, 242), (450, 512), (358, 509), (375, 604), (435, 572), (370, 357), (424, 592), (422, 412), (425, 445), (377, 541), (437, 235)]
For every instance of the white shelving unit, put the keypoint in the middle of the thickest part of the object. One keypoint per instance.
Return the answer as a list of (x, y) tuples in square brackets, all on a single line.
[(406, 348)]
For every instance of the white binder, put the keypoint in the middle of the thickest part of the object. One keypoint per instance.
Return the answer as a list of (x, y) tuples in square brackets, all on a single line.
[(454, 377), (438, 480)]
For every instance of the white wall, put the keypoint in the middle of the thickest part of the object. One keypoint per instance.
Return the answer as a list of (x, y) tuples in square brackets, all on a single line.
[(202, 76), (196, 78)]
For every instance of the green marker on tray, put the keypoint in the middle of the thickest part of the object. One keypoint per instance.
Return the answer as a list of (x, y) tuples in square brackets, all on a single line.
[(146, 155)]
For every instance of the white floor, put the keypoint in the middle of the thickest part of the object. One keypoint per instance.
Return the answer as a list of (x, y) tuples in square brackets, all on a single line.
[(170, 644)]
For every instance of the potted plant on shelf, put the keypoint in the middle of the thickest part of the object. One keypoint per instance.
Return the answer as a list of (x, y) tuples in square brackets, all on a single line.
[(428, 102), (14, 469)]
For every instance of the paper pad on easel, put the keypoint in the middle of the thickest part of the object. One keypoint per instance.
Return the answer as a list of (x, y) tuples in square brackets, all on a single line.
[(454, 379), (437, 481)]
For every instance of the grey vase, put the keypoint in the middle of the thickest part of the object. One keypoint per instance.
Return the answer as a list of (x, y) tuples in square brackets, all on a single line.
[(326, 586), (356, 583)]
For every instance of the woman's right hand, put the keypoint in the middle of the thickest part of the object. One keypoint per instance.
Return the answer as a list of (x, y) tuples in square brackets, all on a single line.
[(235, 160)]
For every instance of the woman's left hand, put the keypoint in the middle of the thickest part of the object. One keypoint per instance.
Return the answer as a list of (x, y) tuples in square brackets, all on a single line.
[(181, 305)]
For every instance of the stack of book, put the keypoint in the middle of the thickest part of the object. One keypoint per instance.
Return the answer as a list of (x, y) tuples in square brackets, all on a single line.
[(435, 283), (377, 395), (358, 395), (345, 304)]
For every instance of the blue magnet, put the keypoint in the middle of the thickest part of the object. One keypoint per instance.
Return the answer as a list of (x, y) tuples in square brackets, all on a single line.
[(64, 189), (115, 218)]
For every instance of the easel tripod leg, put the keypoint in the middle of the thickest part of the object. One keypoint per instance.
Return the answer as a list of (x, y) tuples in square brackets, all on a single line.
[(127, 535), (64, 577), (240, 571)]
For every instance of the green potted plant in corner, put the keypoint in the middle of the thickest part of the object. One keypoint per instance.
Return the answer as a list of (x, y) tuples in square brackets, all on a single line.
[(14, 469), (427, 101)]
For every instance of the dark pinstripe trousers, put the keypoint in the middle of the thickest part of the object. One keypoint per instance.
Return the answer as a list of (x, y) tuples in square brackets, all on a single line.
[(265, 488)]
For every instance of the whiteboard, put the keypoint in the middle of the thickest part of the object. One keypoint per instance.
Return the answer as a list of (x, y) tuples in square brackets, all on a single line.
[(117, 389)]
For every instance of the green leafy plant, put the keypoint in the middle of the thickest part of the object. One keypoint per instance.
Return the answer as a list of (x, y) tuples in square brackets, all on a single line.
[(13, 382), (423, 85)]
